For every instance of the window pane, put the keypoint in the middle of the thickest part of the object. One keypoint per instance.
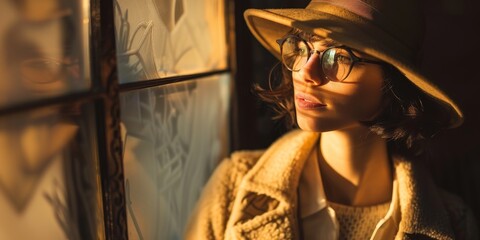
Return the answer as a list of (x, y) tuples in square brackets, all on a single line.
[(173, 136), (163, 38), (43, 51), (49, 187)]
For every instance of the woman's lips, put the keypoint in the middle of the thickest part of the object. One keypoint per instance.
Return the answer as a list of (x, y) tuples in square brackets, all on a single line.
[(308, 102)]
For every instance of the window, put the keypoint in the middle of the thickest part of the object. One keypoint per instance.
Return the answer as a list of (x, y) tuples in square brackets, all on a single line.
[(113, 114)]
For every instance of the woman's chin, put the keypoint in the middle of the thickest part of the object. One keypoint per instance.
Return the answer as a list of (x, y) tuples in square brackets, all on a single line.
[(314, 126), (322, 124)]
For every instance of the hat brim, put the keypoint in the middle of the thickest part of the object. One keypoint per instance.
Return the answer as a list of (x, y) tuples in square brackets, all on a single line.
[(268, 25)]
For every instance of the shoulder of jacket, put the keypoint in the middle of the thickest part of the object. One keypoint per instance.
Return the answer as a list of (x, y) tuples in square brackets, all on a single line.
[(461, 216), (246, 158), (232, 169), (213, 210), (454, 204)]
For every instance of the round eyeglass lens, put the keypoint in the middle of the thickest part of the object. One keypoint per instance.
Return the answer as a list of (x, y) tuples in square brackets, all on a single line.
[(336, 64), (294, 53)]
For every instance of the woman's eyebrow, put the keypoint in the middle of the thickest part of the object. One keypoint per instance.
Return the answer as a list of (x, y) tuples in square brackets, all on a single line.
[(317, 39), (324, 42)]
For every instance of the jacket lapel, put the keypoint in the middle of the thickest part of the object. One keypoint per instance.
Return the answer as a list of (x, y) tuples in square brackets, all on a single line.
[(421, 207), (266, 200)]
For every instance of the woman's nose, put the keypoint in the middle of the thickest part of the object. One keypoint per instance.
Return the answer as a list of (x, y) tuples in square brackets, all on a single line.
[(312, 71)]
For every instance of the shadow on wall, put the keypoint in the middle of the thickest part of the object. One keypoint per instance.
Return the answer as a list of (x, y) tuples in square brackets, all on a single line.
[(451, 59)]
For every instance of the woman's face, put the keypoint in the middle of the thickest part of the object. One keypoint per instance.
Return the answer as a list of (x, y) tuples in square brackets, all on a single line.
[(322, 105)]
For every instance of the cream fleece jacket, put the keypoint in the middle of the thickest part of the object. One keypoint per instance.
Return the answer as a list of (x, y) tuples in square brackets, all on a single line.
[(253, 195)]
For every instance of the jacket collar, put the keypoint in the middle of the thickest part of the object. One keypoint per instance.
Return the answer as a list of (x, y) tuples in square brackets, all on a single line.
[(278, 171), (275, 177), (421, 206), (265, 204)]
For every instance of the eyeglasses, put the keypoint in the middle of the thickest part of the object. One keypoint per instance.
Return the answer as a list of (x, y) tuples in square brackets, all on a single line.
[(336, 62)]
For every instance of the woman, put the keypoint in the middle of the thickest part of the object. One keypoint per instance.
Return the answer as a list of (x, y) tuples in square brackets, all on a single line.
[(354, 170)]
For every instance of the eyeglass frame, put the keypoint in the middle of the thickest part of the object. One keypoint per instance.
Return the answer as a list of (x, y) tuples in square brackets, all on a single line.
[(355, 58)]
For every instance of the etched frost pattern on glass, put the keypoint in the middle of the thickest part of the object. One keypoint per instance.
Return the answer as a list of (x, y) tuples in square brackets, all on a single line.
[(48, 187), (43, 49), (173, 137), (164, 38)]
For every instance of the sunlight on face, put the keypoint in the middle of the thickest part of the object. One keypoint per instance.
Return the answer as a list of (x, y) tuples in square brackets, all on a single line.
[(322, 105)]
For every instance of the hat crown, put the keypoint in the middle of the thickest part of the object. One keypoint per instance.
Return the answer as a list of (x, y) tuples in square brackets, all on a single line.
[(402, 19)]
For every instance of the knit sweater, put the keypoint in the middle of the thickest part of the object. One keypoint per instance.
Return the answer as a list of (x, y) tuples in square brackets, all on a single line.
[(358, 222), (253, 195)]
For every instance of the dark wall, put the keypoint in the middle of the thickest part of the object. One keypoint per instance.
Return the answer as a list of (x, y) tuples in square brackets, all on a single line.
[(451, 59)]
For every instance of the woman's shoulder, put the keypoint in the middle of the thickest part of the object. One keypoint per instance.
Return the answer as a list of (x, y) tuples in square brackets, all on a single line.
[(213, 209), (461, 216), (245, 158), (231, 170)]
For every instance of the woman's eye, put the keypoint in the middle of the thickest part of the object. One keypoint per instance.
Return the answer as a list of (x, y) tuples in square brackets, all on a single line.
[(339, 58), (301, 51)]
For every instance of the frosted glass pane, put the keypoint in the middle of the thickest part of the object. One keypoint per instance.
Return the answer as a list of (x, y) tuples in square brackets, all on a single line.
[(48, 176), (162, 38), (173, 137), (43, 49)]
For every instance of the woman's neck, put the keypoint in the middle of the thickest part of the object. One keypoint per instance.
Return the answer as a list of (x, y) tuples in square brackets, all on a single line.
[(355, 167)]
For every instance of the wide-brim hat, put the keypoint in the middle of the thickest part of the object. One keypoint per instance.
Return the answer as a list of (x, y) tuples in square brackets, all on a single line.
[(391, 32)]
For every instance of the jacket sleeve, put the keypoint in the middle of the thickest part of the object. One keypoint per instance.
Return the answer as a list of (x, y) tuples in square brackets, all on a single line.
[(209, 218), (213, 210)]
